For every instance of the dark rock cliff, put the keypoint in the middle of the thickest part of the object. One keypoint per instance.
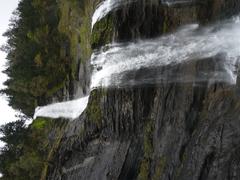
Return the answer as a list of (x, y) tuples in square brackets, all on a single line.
[(169, 130)]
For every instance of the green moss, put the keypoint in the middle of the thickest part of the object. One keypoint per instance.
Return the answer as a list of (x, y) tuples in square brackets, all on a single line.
[(94, 111), (144, 170), (68, 14), (40, 123), (75, 22), (159, 168), (85, 33), (148, 151), (102, 32), (148, 141)]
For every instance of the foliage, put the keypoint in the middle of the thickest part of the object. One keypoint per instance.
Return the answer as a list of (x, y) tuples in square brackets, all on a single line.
[(28, 149), (13, 135), (36, 66), (13, 132), (39, 123)]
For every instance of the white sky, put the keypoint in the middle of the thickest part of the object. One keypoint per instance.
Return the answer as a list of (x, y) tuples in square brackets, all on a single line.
[(7, 114)]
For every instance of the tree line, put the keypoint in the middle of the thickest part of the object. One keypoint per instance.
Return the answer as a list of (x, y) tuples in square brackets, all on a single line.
[(38, 66)]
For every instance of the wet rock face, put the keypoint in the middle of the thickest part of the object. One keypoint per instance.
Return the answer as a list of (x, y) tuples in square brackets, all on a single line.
[(175, 131), (149, 19), (153, 19), (197, 72), (166, 130)]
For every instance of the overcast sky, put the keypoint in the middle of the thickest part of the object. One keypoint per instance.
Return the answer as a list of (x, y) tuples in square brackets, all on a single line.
[(7, 114)]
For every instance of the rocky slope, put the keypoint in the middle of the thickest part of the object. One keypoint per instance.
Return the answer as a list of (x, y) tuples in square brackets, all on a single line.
[(169, 130)]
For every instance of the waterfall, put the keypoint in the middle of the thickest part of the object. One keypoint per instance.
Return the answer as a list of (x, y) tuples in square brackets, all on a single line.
[(114, 62), (117, 64)]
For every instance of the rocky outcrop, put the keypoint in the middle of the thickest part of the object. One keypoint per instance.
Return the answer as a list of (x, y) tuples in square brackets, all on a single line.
[(178, 130), (148, 19)]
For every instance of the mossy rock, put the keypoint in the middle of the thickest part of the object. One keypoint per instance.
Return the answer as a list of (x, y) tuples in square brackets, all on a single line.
[(144, 171), (94, 110), (102, 32), (161, 163), (40, 123)]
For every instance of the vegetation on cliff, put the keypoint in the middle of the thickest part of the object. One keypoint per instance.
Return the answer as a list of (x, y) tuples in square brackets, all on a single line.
[(27, 149)]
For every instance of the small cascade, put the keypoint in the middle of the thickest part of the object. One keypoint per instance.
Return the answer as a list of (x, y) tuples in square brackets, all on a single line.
[(69, 109), (106, 7)]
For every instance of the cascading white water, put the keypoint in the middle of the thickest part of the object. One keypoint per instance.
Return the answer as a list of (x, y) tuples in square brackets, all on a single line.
[(118, 59), (69, 109), (188, 43)]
